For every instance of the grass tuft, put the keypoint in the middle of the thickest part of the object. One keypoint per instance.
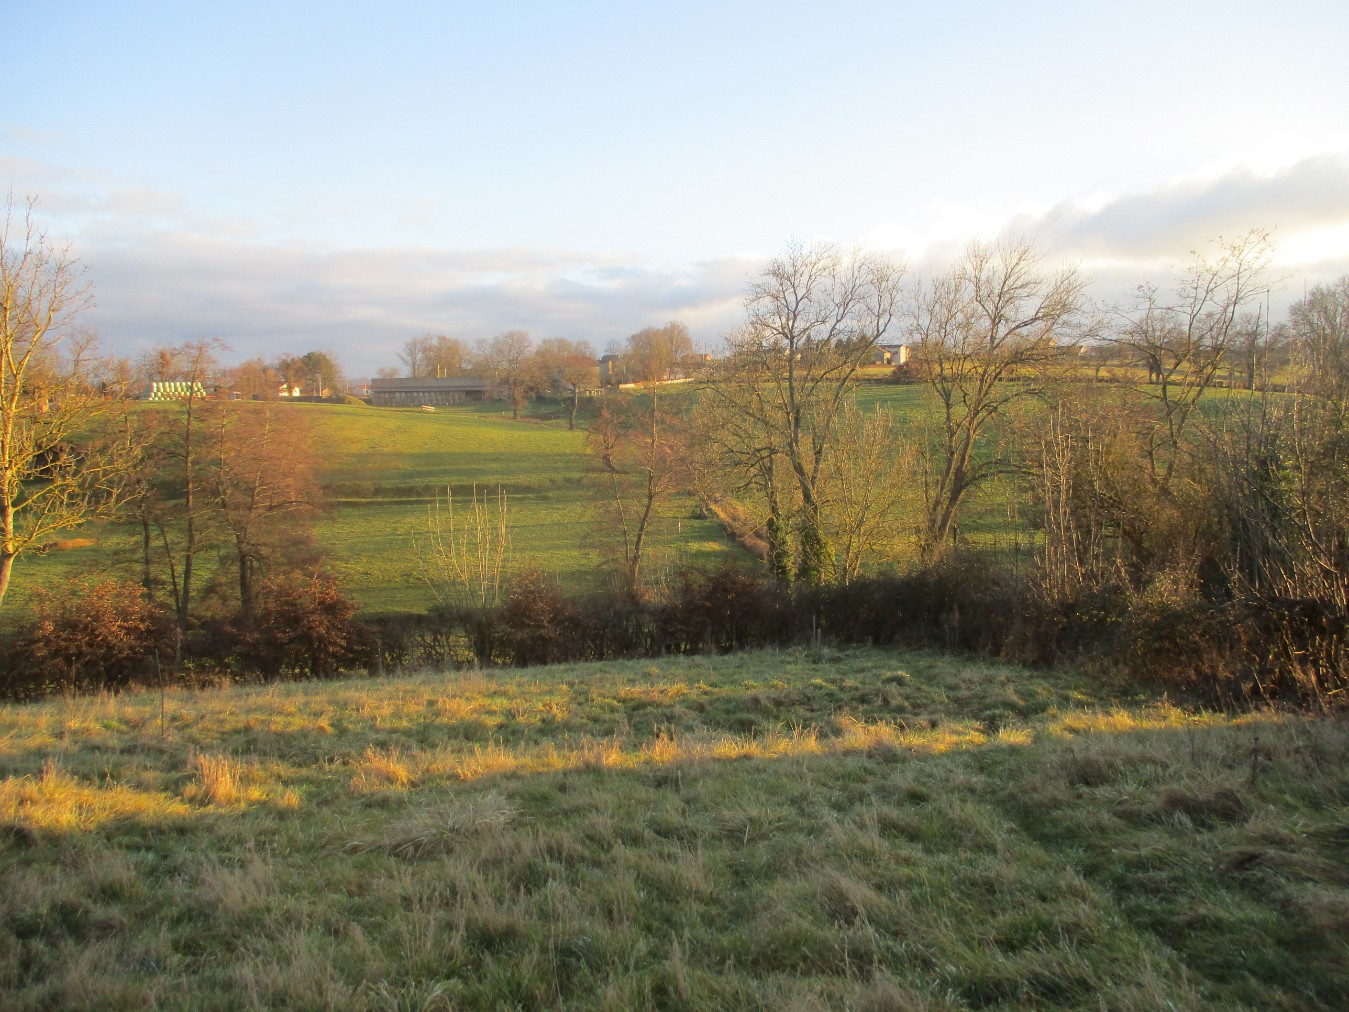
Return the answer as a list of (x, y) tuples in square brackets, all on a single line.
[(442, 828)]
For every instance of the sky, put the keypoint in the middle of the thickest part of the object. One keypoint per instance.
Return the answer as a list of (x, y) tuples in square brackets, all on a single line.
[(346, 176)]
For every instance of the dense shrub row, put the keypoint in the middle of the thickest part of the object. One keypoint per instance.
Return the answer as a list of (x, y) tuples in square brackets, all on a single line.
[(108, 635), (1234, 651)]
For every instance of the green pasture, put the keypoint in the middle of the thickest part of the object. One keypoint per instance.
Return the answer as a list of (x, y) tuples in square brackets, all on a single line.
[(382, 469)]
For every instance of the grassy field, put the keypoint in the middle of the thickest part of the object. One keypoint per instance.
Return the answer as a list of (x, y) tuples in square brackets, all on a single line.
[(382, 467), (861, 829)]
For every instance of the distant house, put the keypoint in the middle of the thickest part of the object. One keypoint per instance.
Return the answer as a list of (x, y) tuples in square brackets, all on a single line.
[(892, 354), (418, 391), (613, 371)]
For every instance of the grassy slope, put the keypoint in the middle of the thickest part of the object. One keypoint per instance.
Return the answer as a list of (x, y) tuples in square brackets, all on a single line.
[(860, 829), (382, 465)]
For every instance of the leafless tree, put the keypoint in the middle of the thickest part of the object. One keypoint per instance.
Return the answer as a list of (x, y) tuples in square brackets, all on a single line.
[(986, 332), (569, 367), (869, 486), (261, 478), (813, 318), (655, 354), (1185, 336), (506, 358), (736, 453), (638, 463), (53, 476), (414, 356), (174, 505), (465, 555)]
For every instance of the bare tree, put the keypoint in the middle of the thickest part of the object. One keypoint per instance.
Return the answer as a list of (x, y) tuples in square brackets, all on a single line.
[(869, 487), (465, 556), (445, 356), (736, 453), (256, 379), (569, 367), (414, 355), (261, 478), (987, 332), (506, 358), (655, 354), (814, 316), (175, 501), (1131, 486), (53, 477), (1185, 336), (638, 462)]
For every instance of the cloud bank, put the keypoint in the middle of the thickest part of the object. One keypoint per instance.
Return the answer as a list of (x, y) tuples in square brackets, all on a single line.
[(162, 276)]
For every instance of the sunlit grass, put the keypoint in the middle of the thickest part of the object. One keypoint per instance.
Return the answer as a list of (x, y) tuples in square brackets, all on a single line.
[(789, 828), (382, 467)]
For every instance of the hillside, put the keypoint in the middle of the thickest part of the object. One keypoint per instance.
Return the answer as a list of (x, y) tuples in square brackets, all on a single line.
[(382, 467), (836, 829)]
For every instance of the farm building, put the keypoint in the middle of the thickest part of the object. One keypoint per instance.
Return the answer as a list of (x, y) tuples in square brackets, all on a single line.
[(415, 391)]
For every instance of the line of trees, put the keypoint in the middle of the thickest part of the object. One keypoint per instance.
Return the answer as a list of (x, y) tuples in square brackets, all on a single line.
[(557, 367), (997, 340), (313, 374), (197, 477), (1214, 528)]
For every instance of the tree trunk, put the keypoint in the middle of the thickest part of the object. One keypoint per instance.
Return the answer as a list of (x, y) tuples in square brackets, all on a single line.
[(245, 588), (147, 573), (6, 540), (779, 547), (6, 567)]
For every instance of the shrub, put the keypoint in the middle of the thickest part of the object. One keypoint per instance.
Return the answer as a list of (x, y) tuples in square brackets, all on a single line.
[(103, 635), (538, 625), (305, 627), (726, 609)]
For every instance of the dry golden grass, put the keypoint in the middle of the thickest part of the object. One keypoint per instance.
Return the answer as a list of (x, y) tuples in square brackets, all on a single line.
[(855, 829)]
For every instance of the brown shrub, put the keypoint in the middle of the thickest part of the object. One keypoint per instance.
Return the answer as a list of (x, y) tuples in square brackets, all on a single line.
[(100, 635), (305, 628)]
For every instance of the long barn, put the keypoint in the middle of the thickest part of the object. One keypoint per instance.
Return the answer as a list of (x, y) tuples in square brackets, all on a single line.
[(414, 391)]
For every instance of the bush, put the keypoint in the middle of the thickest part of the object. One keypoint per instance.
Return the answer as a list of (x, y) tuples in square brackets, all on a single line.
[(103, 635), (727, 609), (538, 625), (305, 628)]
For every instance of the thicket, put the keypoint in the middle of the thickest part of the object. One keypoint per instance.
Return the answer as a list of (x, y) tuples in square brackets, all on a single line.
[(1231, 652)]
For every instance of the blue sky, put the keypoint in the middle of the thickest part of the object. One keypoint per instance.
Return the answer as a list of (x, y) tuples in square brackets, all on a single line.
[(287, 176)]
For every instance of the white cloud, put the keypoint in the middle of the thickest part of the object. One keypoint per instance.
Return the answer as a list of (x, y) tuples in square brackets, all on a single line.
[(164, 274), (362, 304), (1312, 194)]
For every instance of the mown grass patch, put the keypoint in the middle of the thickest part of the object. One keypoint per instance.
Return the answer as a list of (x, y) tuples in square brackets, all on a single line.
[(837, 829)]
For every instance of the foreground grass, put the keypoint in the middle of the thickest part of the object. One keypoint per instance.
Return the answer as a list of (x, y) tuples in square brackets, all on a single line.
[(860, 829)]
